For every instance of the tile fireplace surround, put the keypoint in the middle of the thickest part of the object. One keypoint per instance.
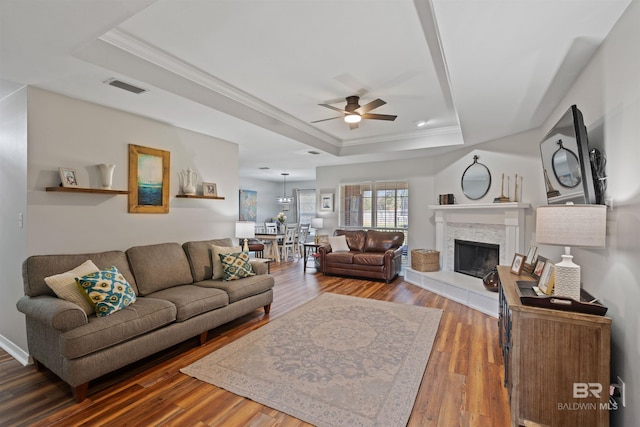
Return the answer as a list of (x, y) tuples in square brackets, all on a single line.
[(498, 223)]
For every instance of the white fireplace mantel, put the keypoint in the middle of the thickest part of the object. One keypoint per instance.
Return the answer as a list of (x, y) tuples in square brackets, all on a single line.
[(510, 217)]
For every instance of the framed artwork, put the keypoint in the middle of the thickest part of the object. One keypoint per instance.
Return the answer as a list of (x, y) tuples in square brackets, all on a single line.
[(148, 180), (517, 264), (545, 284), (326, 202), (209, 189), (248, 205), (285, 207), (537, 268), (531, 255), (68, 177)]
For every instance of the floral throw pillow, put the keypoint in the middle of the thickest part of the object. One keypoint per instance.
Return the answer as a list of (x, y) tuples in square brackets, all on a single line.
[(107, 290), (236, 265)]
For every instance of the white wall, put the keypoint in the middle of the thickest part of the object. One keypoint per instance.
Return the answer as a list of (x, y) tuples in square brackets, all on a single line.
[(430, 176), (79, 135), (608, 94), (13, 239)]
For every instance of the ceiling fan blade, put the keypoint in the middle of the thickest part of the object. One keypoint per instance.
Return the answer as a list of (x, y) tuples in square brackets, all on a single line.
[(353, 126), (334, 108), (324, 120), (370, 106), (379, 116)]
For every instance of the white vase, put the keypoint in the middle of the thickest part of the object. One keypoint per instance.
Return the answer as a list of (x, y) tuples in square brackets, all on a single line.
[(187, 177), (106, 173)]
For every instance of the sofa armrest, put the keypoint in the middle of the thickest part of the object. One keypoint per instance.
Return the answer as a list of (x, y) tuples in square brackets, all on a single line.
[(259, 267), (56, 313)]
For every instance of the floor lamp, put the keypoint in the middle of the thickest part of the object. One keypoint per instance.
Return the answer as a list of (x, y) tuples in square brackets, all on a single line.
[(570, 225)]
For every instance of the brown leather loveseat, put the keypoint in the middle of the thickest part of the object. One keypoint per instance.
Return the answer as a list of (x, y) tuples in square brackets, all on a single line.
[(372, 254)]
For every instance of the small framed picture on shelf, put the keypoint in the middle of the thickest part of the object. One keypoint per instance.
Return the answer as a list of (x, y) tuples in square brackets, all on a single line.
[(68, 177), (537, 268), (517, 264), (545, 284), (209, 189)]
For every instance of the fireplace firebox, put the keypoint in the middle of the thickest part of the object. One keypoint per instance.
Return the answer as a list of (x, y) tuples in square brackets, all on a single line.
[(475, 258)]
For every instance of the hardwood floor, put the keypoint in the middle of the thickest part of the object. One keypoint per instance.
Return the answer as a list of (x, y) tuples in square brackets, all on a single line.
[(462, 384)]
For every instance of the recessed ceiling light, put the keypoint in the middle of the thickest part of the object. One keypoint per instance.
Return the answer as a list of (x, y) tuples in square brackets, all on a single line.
[(421, 123)]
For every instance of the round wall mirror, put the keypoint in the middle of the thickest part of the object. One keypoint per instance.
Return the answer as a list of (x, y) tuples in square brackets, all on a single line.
[(566, 166), (476, 180)]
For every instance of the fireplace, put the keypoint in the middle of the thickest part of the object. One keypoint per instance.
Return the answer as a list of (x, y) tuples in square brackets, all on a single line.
[(475, 258)]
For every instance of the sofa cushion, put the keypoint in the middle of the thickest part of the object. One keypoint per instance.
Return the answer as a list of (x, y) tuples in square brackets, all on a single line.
[(191, 300), (240, 289), (37, 267), (340, 257), (216, 251), (158, 267), (381, 241), (137, 319), (355, 238), (64, 285), (199, 255), (108, 291), (236, 266), (369, 258), (339, 243)]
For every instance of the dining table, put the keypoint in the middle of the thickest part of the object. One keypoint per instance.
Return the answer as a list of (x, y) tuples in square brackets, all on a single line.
[(271, 249)]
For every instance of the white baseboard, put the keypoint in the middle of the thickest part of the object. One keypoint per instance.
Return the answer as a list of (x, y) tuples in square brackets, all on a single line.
[(16, 352)]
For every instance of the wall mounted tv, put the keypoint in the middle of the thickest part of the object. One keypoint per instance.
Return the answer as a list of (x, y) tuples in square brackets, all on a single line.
[(565, 161)]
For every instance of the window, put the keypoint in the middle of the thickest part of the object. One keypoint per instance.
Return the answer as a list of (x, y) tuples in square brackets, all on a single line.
[(378, 205), (306, 206)]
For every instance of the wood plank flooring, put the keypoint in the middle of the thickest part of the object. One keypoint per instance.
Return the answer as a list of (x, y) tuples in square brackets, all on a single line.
[(462, 384)]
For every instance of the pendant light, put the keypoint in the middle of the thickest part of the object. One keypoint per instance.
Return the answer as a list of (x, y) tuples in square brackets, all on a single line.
[(284, 198)]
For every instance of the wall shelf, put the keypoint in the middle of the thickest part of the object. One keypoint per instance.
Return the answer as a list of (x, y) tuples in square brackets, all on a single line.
[(190, 196), (85, 190)]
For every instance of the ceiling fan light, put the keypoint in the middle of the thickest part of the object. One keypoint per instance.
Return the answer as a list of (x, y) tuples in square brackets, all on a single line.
[(352, 118)]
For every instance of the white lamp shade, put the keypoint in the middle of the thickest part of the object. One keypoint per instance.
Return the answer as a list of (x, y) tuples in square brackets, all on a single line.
[(572, 225), (317, 223), (245, 230)]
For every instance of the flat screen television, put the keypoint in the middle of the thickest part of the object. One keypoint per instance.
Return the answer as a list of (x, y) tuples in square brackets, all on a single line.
[(565, 161)]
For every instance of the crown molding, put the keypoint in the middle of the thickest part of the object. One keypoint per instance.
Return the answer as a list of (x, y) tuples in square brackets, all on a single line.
[(134, 46), (405, 136)]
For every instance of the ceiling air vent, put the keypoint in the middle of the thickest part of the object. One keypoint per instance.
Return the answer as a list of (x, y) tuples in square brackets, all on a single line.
[(125, 86), (315, 153)]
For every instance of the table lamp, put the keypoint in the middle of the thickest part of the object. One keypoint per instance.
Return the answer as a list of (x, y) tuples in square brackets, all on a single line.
[(570, 225), (245, 230), (317, 224)]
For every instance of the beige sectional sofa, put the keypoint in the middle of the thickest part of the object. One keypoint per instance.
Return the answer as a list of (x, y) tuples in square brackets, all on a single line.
[(177, 299)]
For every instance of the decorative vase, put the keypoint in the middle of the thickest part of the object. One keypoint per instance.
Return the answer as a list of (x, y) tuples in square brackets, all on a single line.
[(186, 178), (106, 173), (491, 280), (282, 227)]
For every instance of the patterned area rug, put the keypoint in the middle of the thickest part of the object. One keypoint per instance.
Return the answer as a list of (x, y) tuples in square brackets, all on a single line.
[(334, 361)]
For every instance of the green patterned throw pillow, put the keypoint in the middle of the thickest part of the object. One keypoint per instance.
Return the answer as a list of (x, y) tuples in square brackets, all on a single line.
[(107, 290), (236, 265)]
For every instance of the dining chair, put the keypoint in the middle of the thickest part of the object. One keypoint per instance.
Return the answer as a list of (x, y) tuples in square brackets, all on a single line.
[(287, 246), (271, 227), (303, 233)]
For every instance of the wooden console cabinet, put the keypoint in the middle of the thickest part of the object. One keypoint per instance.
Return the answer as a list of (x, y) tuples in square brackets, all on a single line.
[(556, 363)]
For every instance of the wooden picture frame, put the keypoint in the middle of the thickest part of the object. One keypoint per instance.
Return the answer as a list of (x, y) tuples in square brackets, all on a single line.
[(148, 180), (545, 284), (517, 264), (537, 267), (68, 177), (326, 202), (209, 189)]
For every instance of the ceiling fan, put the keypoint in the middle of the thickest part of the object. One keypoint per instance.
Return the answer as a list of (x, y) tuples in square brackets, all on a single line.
[(353, 113)]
